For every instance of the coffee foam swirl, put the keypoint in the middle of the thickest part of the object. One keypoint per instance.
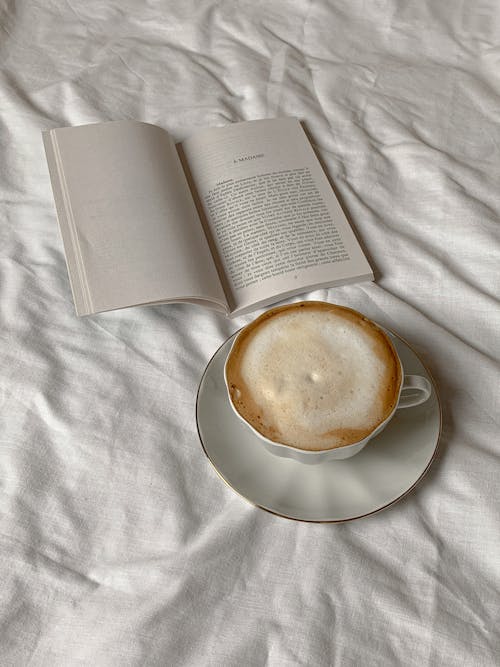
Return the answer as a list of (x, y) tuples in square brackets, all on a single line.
[(313, 375)]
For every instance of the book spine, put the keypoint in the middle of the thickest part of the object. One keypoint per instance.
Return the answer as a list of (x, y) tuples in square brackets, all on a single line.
[(67, 225)]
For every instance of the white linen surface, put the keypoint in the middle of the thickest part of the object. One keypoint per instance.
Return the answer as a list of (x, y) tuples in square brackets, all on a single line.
[(119, 544)]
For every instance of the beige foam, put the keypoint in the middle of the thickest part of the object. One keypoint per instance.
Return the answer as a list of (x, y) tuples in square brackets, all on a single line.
[(313, 375)]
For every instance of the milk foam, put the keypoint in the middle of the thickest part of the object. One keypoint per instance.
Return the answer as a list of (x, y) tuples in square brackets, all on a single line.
[(315, 379)]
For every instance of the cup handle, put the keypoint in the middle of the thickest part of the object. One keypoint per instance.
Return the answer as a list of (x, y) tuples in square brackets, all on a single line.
[(416, 389)]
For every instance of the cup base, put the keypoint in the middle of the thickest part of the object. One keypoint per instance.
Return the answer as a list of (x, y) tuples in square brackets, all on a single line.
[(336, 491)]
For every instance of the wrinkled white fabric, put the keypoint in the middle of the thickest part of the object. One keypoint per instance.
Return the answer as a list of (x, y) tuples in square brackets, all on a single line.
[(119, 544)]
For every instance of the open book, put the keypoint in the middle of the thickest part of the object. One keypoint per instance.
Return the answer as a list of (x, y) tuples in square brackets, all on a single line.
[(233, 218)]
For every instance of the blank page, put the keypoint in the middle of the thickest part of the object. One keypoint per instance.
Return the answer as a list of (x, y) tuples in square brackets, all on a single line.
[(131, 231)]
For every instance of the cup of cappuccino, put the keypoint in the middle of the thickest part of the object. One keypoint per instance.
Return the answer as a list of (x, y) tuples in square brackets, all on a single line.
[(316, 381)]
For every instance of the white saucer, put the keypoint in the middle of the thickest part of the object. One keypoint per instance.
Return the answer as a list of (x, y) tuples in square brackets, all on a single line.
[(386, 470)]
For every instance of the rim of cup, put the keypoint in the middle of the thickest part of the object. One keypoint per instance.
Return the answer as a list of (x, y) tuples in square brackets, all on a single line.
[(311, 452)]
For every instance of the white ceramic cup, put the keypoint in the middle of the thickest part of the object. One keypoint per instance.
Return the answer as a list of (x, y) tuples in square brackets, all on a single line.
[(413, 390)]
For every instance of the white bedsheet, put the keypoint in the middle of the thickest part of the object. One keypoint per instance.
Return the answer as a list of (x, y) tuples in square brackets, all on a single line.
[(119, 544)]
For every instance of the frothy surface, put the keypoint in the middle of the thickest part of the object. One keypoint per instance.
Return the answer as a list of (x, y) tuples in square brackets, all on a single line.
[(313, 375)]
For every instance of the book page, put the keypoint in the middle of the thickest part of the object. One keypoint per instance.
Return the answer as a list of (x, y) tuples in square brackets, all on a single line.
[(275, 222), (130, 227)]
